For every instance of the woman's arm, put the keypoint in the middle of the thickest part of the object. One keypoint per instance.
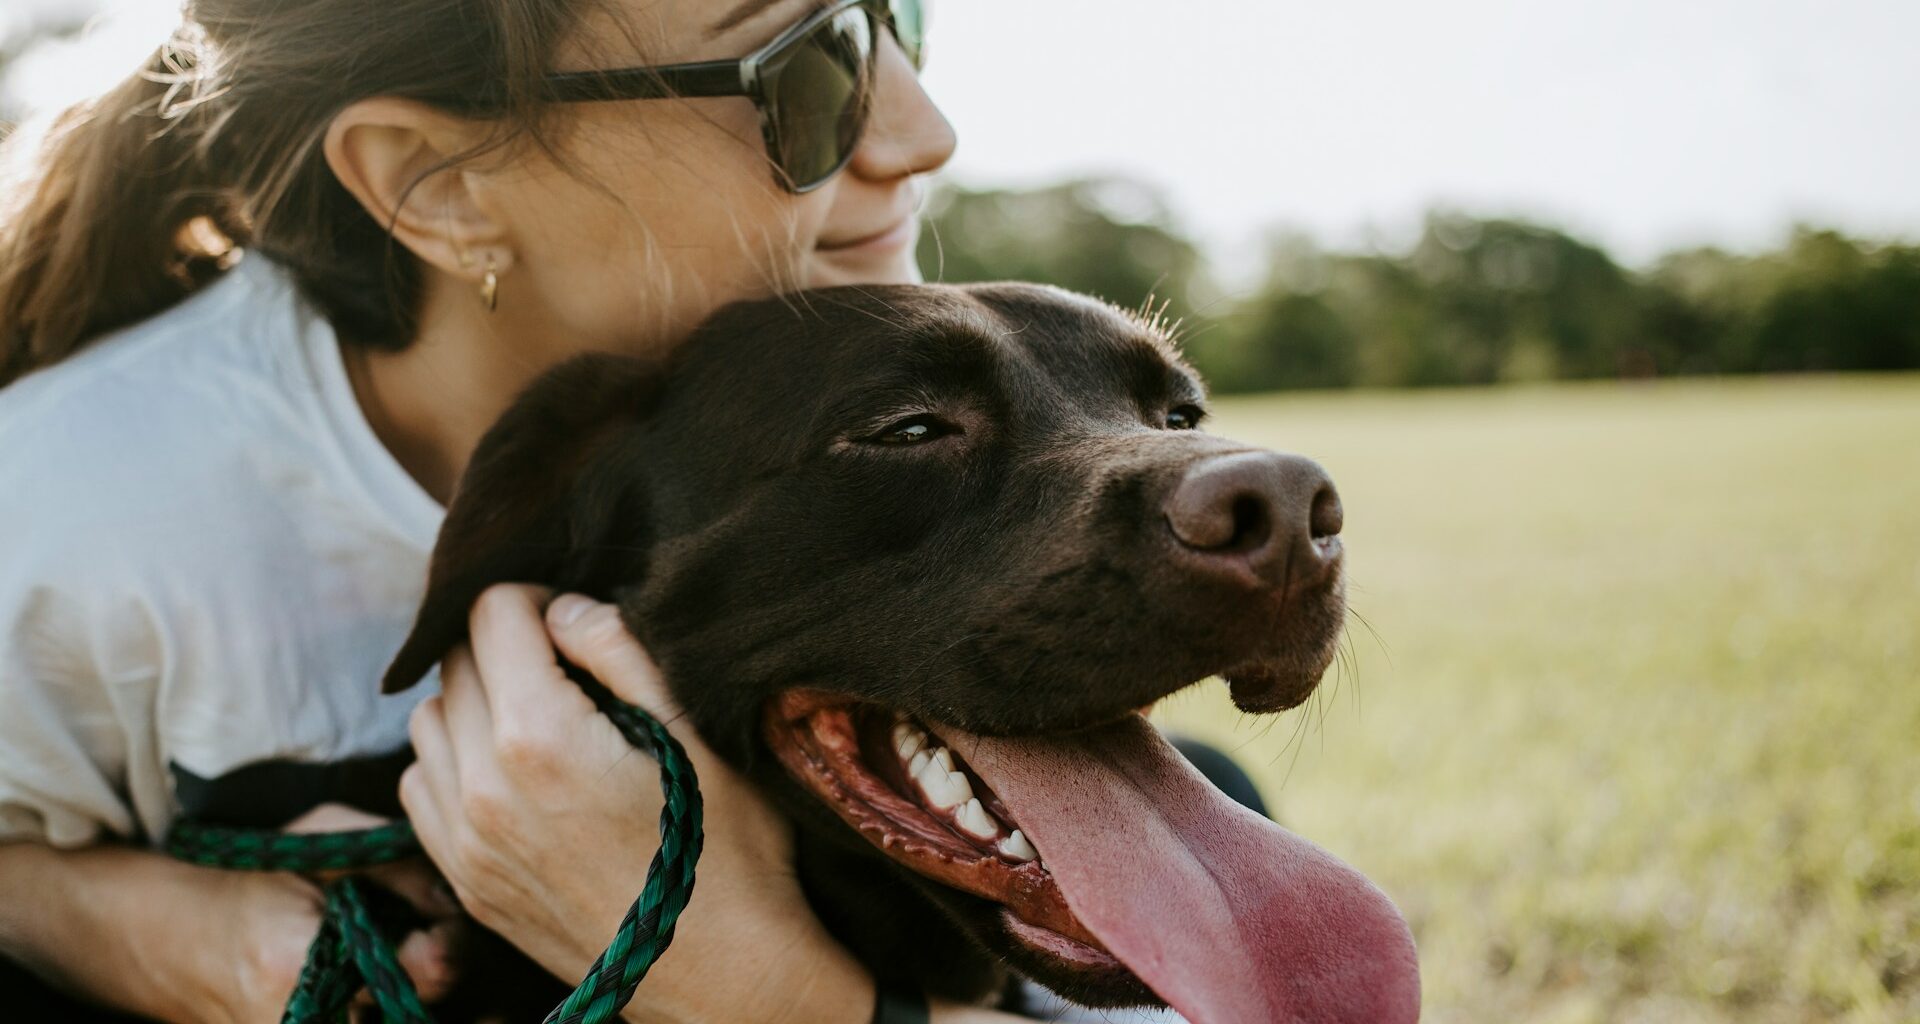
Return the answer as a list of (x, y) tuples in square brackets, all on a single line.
[(153, 936), (150, 935)]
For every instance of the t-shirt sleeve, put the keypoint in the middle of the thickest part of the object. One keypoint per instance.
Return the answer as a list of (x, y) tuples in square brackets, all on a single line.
[(63, 744), (73, 680)]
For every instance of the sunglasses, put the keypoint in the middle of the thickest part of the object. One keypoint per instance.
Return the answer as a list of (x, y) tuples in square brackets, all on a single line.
[(813, 85)]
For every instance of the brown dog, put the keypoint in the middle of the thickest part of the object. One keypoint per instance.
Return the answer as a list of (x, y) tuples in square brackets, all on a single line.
[(910, 557)]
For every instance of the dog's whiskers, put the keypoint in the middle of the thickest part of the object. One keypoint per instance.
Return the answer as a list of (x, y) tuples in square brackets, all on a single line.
[(1294, 741)]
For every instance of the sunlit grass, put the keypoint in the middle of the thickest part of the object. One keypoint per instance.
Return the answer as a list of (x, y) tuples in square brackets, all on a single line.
[(1638, 737)]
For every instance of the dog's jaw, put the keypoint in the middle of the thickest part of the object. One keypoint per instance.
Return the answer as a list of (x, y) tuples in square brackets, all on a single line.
[(916, 801)]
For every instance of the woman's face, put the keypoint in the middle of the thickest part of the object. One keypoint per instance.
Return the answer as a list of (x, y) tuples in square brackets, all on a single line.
[(660, 211)]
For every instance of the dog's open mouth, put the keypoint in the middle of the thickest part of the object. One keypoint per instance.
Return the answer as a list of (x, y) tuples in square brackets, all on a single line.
[(1109, 853), (917, 800)]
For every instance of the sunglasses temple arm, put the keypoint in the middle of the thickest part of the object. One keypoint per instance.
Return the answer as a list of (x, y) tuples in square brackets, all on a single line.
[(712, 78)]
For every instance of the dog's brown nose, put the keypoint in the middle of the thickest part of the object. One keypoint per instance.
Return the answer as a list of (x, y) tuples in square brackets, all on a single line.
[(1273, 514)]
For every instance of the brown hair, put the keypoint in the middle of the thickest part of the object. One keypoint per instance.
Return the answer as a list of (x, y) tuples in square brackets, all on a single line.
[(132, 198)]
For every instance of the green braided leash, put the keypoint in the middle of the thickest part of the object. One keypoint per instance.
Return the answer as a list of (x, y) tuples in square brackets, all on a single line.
[(349, 953)]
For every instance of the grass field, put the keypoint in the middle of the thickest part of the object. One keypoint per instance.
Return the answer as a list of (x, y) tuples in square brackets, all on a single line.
[(1635, 732)]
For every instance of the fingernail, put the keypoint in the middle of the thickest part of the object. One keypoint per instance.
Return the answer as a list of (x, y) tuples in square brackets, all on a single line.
[(567, 609)]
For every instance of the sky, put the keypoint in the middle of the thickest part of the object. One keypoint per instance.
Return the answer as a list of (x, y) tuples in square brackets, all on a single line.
[(1640, 124)]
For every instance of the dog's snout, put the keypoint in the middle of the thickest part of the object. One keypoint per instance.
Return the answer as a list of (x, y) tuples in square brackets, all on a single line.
[(1270, 513)]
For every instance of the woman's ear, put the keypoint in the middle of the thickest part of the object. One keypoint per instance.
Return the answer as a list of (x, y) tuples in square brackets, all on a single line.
[(396, 157), (550, 496)]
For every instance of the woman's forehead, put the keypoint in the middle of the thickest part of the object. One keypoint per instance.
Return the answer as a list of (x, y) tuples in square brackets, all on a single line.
[(616, 33)]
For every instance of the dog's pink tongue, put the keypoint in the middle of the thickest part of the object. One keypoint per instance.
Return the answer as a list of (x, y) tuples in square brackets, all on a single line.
[(1230, 918)]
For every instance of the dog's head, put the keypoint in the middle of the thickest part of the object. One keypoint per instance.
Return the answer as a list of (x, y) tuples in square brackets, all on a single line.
[(912, 557)]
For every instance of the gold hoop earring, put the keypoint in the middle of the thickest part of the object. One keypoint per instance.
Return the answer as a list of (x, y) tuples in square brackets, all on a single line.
[(490, 287)]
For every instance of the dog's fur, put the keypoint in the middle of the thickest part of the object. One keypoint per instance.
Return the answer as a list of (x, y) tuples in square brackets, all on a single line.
[(743, 507)]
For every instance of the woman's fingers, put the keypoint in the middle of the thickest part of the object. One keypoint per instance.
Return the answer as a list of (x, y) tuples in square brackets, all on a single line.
[(434, 757), (518, 666), (467, 720), (593, 636), (427, 956), (335, 818), (431, 784), (419, 884)]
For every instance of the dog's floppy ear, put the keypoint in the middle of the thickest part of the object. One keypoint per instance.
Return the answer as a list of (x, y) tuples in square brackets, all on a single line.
[(531, 507)]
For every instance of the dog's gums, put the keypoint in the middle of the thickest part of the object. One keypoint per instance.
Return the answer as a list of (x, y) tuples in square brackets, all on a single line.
[(919, 804)]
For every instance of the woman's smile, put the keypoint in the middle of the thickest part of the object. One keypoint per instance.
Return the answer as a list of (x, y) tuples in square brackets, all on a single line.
[(887, 239)]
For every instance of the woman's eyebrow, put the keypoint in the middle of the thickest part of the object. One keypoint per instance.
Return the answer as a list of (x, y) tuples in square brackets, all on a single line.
[(740, 15)]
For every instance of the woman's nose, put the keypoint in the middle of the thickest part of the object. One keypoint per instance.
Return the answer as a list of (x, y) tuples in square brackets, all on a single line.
[(906, 133)]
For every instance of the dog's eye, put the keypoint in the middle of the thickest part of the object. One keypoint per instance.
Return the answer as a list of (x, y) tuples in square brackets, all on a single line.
[(913, 430), (1184, 417)]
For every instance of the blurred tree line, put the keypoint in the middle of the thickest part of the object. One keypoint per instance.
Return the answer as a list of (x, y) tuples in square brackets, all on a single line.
[(1472, 301)]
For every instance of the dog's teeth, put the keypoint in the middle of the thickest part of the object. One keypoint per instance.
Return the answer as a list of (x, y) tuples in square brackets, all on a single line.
[(948, 791), (959, 791), (930, 776), (945, 790), (1017, 847), (925, 768), (917, 763), (943, 757), (975, 820), (908, 741)]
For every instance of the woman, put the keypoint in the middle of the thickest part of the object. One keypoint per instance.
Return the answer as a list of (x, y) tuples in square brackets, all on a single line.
[(222, 480)]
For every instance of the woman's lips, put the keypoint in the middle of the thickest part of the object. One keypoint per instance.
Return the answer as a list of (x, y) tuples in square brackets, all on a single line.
[(895, 236)]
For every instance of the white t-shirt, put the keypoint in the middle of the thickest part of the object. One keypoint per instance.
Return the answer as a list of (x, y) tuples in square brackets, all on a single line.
[(206, 560)]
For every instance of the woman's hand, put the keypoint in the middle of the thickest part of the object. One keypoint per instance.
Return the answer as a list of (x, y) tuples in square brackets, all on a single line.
[(543, 819), (172, 941), (272, 919), (279, 915)]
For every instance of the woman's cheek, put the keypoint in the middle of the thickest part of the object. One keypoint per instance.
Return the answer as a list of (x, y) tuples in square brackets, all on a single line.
[(639, 244)]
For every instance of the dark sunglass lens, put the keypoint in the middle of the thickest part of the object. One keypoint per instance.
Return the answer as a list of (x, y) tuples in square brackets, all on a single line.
[(819, 98)]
